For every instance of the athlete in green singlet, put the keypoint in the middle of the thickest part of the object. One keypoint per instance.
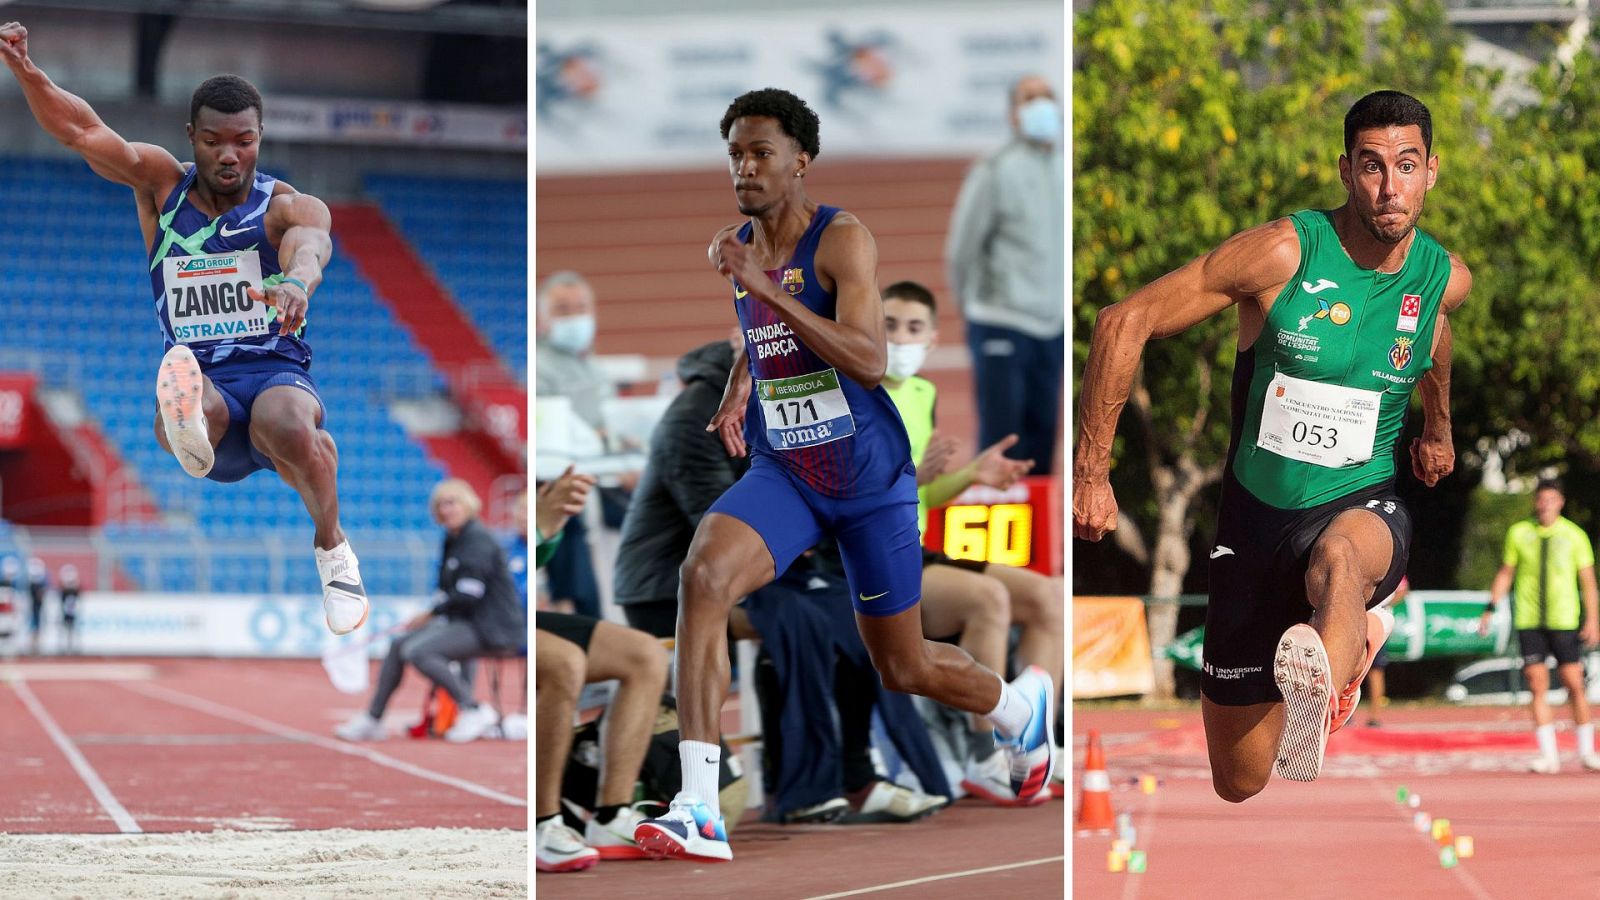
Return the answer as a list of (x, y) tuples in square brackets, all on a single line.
[(1342, 315)]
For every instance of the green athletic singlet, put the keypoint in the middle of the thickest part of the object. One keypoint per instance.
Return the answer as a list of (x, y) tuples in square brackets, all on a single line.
[(1321, 397), (914, 398)]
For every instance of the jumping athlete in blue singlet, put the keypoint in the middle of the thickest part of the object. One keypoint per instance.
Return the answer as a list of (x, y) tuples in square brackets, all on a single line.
[(829, 456), (234, 259)]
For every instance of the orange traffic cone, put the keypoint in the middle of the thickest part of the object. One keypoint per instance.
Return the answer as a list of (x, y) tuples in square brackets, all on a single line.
[(1094, 801)]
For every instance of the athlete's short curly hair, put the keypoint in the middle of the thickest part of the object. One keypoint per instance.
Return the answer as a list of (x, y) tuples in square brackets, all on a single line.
[(793, 115), (225, 94)]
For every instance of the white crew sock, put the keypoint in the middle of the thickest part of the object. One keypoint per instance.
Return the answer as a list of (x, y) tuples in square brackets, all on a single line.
[(700, 764), (1546, 735), (1586, 739), (1011, 715)]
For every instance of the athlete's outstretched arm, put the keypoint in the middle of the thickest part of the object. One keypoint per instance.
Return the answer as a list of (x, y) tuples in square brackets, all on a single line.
[(70, 120), (854, 342), (1433, 456), (1251, 265), (299, 225)]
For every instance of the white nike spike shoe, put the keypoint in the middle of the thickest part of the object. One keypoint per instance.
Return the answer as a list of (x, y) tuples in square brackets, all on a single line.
[(180, 393), (344, 599)]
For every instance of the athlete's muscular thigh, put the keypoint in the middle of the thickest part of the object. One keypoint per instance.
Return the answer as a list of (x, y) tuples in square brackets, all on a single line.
[(284, 421), (217, 418), (1357, 546)]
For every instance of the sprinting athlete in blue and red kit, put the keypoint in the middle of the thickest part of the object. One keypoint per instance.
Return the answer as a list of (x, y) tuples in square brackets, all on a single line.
[(234, 259), (829, 455)]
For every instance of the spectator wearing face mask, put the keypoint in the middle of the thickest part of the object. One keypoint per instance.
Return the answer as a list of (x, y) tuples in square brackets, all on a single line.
[(564, 367), (973, 602), (1006, 267)]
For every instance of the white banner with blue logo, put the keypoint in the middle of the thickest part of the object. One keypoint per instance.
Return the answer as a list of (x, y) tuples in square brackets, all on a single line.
[(649, 92), (223, 625)]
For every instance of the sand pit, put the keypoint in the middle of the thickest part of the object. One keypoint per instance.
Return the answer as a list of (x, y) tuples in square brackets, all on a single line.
[(222, 865)]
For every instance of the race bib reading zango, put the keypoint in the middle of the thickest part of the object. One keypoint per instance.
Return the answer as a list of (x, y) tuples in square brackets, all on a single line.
[(207, 299), (805, 410), (1323, 424)]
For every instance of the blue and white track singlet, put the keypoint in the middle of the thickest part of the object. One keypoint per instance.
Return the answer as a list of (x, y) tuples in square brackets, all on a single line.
[(836, 436), (199, 270)]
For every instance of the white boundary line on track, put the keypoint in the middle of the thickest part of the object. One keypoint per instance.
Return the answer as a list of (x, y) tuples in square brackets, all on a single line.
[(200, 704), (914, 881), (91, 778)]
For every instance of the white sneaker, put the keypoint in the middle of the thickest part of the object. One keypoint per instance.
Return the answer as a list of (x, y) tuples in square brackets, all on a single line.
[(1300, 668), (687, 831), (180, 394), (1031, 754), (888, 802), (1591, 761), (472, 724), (614, 839), (344, 599), (362, 727), (559, 849), (1545, 765), (991, 781)]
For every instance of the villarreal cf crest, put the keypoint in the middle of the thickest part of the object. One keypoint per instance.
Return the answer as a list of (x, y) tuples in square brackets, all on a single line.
[(794, 281), (1400, 354)]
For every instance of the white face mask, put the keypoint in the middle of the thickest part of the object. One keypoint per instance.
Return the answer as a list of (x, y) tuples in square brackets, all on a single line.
[(574, 334), (904, 360), (1040, 120)]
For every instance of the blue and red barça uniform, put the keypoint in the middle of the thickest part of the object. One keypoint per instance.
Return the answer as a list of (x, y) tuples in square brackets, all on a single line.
[(849, 475), (240, 367)]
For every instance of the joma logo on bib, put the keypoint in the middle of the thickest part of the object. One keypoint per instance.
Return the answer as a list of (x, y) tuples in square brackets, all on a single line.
[(207, 297)]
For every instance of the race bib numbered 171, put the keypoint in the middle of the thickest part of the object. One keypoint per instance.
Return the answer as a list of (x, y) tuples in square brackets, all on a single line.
[(1323, 424), (206, 299), (805, 410)]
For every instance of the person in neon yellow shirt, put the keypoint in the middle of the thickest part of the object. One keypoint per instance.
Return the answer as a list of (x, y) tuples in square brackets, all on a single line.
[(975, 600), (1547, 558)]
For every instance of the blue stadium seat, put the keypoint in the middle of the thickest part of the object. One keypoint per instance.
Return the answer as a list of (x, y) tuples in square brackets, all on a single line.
[(487, 275)]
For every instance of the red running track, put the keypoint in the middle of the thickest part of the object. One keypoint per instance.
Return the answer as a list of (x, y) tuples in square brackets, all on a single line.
[(943, 856), (201, 744), (1345, 835)]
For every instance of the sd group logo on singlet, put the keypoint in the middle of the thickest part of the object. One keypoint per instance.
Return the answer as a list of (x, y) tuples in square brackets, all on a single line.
[(207, 297)]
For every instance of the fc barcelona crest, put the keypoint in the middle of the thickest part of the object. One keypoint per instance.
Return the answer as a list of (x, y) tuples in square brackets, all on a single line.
[(794, 281), (1400, 353)]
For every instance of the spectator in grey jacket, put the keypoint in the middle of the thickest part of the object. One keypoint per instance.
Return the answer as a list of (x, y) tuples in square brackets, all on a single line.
[(1006, 267), (478, 612)]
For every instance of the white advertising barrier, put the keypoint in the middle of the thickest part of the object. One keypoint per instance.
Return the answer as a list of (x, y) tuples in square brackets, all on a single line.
[(379, 122), (139, 624), (650, 92)]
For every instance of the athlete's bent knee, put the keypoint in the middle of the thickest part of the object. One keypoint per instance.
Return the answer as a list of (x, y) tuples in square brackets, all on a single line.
[(644, 657), (704, 583), (1237, 787), (292, 441), (993, 603), (561, 673)]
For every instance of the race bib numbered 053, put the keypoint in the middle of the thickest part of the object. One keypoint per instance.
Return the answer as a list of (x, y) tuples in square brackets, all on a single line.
[(207, 299), (805, 410), (1323, 424)]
